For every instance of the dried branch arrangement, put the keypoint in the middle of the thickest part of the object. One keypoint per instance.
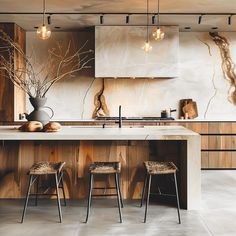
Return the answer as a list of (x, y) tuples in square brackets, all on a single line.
[(37, 80)]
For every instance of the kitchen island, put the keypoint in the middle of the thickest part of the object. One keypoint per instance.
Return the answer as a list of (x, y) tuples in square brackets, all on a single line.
[(78, 146)]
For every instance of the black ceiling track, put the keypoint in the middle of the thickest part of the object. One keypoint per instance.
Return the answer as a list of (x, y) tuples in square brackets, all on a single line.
[(123, 13)]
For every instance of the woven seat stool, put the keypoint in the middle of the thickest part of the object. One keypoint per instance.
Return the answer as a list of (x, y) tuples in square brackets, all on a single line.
[(158, 168), (105, 168), (44, 169)]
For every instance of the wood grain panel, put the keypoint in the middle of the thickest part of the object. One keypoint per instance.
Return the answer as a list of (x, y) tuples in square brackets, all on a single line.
[(138, 152), (10, 180), (7, 87), (233, 156), (19, 62), (12, 99), (17, 157), (217, 142)]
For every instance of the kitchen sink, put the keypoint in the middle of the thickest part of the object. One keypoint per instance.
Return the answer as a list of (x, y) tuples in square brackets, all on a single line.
[(106, 127)]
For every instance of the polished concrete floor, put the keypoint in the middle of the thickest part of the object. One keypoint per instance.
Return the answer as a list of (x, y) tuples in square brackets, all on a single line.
[(216, 217)]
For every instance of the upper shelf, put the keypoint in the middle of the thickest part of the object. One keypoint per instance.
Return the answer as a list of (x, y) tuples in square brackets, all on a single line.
[(119, 53)]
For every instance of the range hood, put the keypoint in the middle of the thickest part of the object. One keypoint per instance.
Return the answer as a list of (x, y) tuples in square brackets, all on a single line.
[(119, 54)]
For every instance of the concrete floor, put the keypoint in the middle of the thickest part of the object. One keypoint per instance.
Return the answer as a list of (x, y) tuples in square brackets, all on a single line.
[(216, 217)]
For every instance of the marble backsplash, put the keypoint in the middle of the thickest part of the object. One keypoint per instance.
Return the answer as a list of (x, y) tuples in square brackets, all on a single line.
[(201, 78), (118, 52)]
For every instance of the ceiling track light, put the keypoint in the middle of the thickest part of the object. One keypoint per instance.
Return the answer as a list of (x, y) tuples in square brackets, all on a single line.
[(101, 19), (49, 19), (123, 13), (153, 19), (230, 19), (200, 19), (127, 19)]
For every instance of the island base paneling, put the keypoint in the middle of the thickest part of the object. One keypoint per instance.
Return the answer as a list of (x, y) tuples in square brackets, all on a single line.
[(16, 157)]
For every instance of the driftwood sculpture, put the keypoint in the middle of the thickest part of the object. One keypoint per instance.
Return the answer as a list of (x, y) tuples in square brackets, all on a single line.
[(228, 65)]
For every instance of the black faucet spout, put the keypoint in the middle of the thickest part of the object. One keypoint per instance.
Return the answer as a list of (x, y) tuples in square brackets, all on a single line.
[(120, 117)]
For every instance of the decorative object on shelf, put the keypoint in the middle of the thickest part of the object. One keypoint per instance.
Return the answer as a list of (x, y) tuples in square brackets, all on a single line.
[(158, 33), (36, 80), (38, 113), (167, 114), (188, 109), (44, 31), (147, 46), (36, 126), (52, 127), (31, 126)]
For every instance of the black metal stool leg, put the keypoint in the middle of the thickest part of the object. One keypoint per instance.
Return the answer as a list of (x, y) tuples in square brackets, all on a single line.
[(89, 196), (58, 198), (63, 190), (37, 190), (118, 195), (144, 190), (177, 197), (148, 195), (121, 199), (27, 198)]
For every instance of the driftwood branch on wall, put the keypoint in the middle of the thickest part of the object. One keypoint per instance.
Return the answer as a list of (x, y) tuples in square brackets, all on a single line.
[(228, 66), (100, 103)]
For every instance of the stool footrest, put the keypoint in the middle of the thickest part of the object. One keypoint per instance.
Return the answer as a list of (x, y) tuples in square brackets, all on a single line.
[(106, 188), (103, 195), (41, 194), (163, 194)]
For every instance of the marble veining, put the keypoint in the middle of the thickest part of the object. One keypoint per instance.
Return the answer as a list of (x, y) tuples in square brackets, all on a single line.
[(119, 52)]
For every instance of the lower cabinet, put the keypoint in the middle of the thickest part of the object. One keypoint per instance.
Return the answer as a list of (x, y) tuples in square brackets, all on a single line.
[(218, 143)]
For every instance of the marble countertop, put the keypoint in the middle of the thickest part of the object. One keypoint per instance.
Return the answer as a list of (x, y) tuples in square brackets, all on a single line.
[(136, 121), (99, 133)]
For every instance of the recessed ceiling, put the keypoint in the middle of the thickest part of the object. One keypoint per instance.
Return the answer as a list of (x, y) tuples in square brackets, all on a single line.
[(73, 22)]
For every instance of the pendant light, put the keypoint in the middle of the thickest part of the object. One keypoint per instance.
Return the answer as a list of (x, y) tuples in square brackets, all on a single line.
[(44, 31), (158, 33), (147, 46)]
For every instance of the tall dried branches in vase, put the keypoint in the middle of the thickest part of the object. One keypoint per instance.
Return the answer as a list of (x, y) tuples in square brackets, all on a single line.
[(62, 62)]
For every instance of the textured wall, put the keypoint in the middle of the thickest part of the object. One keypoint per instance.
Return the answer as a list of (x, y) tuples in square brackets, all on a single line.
[(201, 78), (119, 54)]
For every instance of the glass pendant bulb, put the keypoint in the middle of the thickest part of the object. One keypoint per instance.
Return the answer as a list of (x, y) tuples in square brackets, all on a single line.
[(147, 47), (44, 32), (158, 34)]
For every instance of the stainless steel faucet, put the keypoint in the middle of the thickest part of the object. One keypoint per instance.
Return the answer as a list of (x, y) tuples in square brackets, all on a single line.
[(120, 117)]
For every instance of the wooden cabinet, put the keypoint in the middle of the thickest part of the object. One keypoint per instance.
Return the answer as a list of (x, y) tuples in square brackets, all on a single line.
[(218, 143), (12, 99)]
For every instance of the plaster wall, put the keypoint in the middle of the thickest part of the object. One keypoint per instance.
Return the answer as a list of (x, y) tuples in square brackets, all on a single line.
[(201, 78)]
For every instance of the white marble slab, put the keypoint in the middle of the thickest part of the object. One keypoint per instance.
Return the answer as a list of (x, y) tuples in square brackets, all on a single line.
[(99, 133)]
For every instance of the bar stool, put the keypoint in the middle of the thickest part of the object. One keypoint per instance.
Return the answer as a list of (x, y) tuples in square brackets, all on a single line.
[(105, 168), (158, 168), (35, 173)]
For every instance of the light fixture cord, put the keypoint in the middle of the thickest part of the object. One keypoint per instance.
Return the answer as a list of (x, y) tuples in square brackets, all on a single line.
[(158, 15), (147, 21), (44, 12)]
